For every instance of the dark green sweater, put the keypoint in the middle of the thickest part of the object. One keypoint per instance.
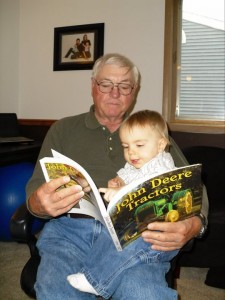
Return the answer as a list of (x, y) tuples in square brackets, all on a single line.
[(94, 147)]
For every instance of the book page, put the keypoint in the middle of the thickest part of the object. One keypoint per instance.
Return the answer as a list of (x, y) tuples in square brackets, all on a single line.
[(92, 203), (58, 167)]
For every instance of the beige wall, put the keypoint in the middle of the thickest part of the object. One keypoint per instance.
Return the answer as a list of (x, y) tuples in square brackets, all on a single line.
[(9, 55), (28, 84)]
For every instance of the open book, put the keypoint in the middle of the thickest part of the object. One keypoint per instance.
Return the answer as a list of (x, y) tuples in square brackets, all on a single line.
[(171, 196)]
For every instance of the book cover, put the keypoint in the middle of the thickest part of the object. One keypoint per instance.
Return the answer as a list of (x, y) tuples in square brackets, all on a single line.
[(170, 197)]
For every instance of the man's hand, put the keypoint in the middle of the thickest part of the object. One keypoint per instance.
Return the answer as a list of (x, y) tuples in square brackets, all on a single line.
[(49, 200), (167, 236)]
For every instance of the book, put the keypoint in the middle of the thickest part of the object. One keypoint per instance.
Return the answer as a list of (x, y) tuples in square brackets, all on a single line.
[(170, 196)]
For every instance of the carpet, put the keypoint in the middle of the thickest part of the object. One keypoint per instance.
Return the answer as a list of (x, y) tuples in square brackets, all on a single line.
[(13, 257)]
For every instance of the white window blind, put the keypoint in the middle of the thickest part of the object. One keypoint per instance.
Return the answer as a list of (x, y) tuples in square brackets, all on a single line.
[(201, 90)]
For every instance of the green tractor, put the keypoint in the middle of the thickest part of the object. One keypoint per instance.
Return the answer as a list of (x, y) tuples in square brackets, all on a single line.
[(165, 210), (162, 209)]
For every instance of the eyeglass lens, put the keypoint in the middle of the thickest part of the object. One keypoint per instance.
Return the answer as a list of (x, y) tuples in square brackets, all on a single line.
[(108, 86)]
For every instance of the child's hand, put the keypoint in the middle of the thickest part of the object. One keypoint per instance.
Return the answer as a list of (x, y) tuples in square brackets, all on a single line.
[(115, 182), (109, 193)]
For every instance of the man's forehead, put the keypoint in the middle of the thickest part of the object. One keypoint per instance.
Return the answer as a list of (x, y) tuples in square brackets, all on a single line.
[(114, 71)]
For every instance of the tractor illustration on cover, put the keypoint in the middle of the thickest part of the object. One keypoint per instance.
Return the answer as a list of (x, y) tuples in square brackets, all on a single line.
[(162, 209)]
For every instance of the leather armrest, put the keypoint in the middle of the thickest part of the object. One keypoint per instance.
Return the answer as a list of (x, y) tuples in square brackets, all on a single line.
[(187, 247), (21, 224)]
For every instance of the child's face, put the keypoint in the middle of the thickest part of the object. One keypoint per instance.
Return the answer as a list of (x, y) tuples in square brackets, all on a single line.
[(141, 144)]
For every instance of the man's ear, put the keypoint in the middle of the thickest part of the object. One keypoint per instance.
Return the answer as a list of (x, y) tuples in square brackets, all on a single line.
[(162, 144), (92, 86)]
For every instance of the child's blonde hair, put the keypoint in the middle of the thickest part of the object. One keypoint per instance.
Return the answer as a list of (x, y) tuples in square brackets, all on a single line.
[(150, 118)]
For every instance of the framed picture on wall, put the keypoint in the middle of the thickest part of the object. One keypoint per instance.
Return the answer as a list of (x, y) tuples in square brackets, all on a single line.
[(77, 47)]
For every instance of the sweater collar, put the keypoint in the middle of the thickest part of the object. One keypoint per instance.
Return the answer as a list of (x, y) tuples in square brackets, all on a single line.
[(91, 121)]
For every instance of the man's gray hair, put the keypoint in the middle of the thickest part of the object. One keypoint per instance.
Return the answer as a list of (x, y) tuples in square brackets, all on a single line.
[(118, 60)]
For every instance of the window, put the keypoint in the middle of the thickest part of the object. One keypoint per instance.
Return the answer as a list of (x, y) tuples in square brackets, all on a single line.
[(194, 66)]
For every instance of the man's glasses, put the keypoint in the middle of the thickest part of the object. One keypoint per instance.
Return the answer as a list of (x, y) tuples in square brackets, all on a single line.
[(106, 86)]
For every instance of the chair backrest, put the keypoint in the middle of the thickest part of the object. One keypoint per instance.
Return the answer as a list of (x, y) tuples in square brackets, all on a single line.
[(213, 171), (208, 252), (9, 125)]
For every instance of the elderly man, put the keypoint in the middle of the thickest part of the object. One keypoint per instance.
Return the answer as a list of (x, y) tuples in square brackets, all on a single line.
[(92, 140)]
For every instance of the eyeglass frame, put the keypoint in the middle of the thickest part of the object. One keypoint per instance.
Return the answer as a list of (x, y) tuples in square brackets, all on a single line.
[(113, 86)]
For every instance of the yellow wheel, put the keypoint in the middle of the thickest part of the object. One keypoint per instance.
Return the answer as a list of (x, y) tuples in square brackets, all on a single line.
[(184, 201), (172, 216), (128, 236), (188, 202)]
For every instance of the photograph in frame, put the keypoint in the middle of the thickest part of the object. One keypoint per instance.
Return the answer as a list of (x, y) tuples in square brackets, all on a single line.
[(77, 47)]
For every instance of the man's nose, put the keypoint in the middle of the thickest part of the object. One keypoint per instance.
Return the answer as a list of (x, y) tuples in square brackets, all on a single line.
[(115, 91)]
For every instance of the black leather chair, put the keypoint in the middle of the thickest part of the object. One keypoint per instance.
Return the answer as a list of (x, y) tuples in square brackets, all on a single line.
[(21, 231), (209, 252)]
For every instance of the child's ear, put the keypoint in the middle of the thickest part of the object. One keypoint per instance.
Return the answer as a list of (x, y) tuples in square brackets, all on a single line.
[(162, 144)]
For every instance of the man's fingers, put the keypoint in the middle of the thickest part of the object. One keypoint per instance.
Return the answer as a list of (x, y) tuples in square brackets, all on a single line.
[(54, 184)]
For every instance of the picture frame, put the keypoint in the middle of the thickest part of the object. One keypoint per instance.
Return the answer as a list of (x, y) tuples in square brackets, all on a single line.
[(77, 47)]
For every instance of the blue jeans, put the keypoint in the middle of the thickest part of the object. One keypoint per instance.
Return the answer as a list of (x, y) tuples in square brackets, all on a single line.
[(66, 244), (105, 266)]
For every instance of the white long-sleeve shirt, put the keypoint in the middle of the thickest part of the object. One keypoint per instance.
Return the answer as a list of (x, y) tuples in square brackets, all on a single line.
[(163, 162)]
